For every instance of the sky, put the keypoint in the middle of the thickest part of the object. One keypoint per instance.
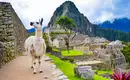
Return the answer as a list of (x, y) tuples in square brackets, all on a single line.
[(94, 10)]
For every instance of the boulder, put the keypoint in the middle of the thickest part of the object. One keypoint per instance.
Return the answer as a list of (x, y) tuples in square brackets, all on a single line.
[(84, 72)]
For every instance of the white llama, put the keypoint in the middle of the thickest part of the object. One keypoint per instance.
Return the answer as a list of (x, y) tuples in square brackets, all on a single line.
[(35, 45)]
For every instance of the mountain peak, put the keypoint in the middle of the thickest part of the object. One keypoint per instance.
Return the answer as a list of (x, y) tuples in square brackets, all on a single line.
[(69, 5), (66, 7), (69, 9)]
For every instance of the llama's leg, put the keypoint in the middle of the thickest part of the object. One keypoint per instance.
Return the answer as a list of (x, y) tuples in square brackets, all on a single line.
[(32, 51), (34, 66), (39, 62), (32, 62)]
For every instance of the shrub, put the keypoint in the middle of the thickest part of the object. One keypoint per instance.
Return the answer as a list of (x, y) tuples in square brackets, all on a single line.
[(49, 49), (71, 60)]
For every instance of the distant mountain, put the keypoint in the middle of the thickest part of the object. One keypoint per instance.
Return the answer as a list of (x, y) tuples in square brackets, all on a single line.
[(121, 24), (69, 9), (84, 26), (33, 30)]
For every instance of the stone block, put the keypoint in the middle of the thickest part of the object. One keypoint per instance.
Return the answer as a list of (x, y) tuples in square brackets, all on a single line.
[(10, 30), (63, 77), (84, 72), (3, 26), (8, 15), (9, 22), (1, 13), (1, 29), (11, 37), (11, 26), (48, 59), (54, 66)]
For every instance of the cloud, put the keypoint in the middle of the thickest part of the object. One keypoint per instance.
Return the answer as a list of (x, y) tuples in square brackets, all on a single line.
[(94, 10), (33, 10)]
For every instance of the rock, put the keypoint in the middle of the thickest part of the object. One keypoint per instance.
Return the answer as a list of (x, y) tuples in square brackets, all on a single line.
[(46, 77), (62, 77), (11, 37), (1, 45), (59, 73), (88, 76), (11, 26), (54, 73), (3, 26), (0, 13), (9, 22), (7, 14), (54, 66), (84, 72), (10, 30), (48, 59)]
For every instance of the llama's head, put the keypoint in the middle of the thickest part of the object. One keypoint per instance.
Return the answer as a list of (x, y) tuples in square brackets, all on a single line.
[(37, 25)]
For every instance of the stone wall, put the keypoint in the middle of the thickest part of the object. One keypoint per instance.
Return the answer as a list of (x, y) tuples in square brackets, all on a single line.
[(1, 53), (12, 32)]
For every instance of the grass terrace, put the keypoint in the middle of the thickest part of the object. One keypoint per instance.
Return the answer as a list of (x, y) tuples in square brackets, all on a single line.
[(65, 67), (72, 53), (104, 72), (55, 49), (68, 69)]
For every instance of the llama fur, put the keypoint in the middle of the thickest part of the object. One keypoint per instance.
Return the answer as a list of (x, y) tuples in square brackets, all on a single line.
[(35, 45)]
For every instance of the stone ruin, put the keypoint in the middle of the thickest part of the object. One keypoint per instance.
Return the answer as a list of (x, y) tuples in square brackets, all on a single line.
[(12, 33), (84, 72), (111, 55)]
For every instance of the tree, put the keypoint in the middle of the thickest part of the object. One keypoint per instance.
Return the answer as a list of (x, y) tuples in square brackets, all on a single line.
[(126, 52), (67, 24)]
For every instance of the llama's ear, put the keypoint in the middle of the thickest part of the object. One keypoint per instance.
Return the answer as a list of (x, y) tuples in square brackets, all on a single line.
[(41, 21)]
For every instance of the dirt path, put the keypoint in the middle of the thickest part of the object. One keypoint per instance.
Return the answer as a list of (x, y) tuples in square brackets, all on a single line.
[(19, 69)]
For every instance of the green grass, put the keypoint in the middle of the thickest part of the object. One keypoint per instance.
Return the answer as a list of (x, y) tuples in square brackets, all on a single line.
[(65, 67), (68, 69), (105, 71), (55, 49), (72, 53), (97, 77)]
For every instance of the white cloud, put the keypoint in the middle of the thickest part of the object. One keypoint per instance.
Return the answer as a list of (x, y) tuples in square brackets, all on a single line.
[(32, 10), (105, 16), (94, 10)]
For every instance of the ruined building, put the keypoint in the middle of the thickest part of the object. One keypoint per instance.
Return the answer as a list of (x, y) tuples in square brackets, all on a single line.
[(12, 33)]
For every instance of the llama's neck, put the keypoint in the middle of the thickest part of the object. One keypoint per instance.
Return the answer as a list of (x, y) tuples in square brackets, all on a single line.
[(38, 33)]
